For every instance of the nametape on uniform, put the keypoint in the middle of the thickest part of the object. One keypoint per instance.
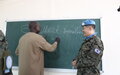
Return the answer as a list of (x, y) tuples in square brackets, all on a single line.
[(97, 51)]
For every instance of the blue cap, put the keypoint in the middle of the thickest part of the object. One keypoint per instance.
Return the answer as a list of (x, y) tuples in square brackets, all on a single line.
[(88, 22)]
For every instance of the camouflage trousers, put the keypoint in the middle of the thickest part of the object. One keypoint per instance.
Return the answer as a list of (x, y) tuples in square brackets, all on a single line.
[(88, 71)]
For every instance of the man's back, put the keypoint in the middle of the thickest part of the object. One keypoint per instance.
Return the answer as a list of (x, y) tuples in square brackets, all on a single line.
[(31, 55), (27, 45)]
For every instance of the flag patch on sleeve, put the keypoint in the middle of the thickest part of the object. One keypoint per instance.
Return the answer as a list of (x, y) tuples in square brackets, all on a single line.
[(97, 51)]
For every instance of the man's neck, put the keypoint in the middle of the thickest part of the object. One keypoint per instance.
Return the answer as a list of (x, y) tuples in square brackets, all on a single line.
[(32, 32), (89, 36), (91, 32)]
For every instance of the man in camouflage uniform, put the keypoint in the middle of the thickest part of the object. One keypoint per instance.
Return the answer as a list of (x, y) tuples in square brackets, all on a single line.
[(91, 51), (3, 53)]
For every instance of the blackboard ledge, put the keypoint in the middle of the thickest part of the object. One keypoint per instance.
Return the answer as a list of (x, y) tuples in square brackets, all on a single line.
[(56, 70), (51, 69)]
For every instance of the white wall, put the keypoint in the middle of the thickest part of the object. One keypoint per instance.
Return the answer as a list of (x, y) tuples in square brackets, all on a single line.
[(69, 9)]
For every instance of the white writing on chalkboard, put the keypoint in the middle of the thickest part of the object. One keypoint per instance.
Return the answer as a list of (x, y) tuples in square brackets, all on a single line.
[(63, 30), (56, 29)]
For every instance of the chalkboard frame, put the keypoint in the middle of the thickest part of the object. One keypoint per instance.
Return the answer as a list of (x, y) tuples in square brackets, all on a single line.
[(53, 19)]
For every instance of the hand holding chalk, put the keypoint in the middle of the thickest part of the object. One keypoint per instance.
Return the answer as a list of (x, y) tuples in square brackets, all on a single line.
[(57, 40)]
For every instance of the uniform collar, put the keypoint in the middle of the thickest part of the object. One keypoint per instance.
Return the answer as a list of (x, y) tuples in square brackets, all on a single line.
[(90, 36)]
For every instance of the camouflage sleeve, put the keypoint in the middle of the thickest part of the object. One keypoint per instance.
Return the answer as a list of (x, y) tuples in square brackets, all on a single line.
[(77, 57), (1, 36), (92, 57), (5, 45), (1, 61)]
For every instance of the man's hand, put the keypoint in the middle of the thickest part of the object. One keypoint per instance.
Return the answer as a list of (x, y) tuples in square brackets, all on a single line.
[(74, 63), (57, 40)]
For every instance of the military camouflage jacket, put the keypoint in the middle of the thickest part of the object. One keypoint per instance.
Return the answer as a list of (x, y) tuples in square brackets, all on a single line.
[(90, 53), (3, 51)]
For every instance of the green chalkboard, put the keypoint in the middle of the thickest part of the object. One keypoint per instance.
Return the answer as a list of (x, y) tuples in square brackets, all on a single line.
[(68, 30)]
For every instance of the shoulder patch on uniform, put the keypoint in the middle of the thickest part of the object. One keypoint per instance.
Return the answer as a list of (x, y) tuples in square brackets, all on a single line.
[(97, 51), (8, 62)]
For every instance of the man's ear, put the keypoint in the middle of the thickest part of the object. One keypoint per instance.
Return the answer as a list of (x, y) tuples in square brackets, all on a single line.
[(90, 27)]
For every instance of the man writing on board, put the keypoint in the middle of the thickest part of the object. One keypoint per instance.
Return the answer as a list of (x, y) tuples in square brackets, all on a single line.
[(31, 49), (91, 51)]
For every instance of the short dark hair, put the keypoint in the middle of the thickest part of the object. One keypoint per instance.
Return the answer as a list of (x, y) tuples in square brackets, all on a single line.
[(93, 26), (32, 24)]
